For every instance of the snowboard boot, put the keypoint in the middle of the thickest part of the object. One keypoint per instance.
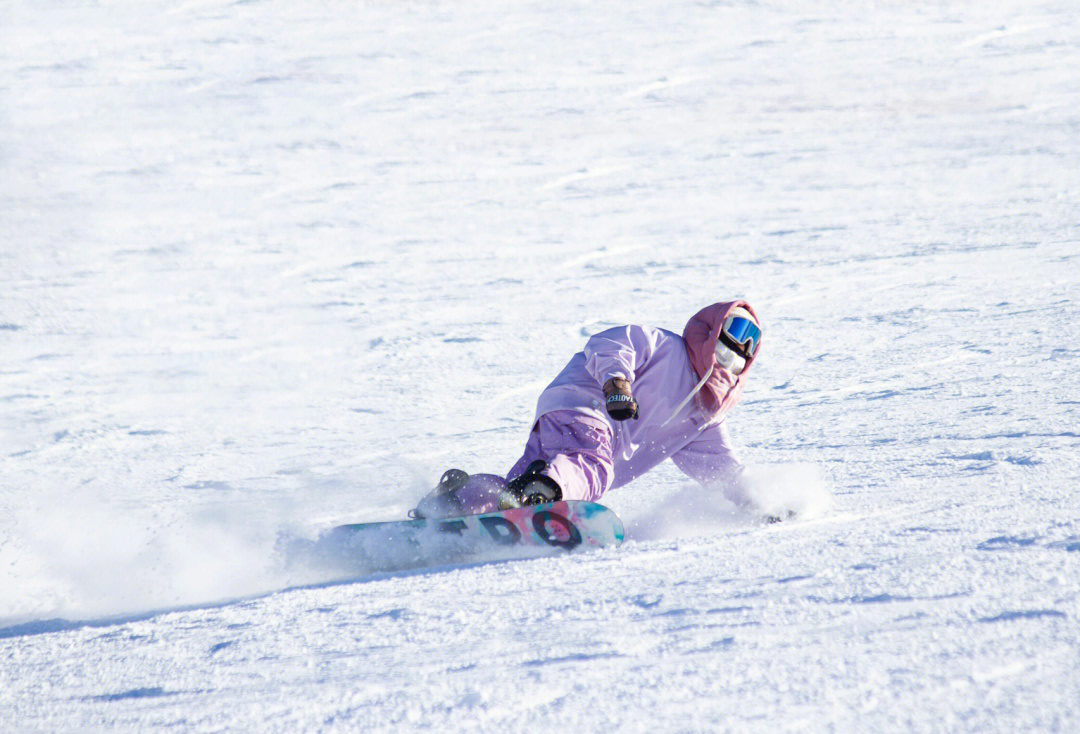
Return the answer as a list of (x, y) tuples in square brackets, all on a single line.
[(443, 500), (531, 488), (458, 493)]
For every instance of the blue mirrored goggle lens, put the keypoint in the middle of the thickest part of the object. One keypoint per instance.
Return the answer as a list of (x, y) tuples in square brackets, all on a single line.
[(743, 331)]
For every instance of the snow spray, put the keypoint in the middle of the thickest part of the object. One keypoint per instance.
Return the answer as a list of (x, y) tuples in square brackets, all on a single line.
[(789, 492), (78, 559)]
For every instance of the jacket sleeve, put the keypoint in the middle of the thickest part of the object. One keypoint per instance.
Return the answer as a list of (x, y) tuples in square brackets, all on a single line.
[(710, 458), (618, 352)]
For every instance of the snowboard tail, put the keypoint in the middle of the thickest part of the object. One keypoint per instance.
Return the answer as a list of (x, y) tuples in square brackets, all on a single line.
[(523, 532)]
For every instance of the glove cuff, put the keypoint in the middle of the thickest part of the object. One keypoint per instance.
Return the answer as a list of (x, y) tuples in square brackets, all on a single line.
[(616, 386)]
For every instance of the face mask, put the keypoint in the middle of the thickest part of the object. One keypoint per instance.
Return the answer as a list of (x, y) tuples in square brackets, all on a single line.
[(728, 359)]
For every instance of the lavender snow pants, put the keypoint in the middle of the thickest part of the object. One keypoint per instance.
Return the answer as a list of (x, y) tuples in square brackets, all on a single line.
[(577, 448)]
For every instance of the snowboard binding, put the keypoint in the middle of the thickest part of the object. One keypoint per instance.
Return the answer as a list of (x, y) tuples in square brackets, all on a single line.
[(531, 488), (459, 493)]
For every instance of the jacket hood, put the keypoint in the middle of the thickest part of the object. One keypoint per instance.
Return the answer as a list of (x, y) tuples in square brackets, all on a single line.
[(721, 389)]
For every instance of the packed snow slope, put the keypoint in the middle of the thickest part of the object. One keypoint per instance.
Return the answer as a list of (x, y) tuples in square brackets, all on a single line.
[(267, 266)]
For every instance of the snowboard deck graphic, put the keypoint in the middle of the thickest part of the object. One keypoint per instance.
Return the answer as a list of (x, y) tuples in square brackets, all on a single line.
[(524, 532)]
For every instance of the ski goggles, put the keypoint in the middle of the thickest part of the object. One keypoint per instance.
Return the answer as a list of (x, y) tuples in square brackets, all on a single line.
[(742, 335)]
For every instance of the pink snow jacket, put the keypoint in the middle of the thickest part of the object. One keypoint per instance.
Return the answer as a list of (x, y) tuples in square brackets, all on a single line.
[(683, 396)]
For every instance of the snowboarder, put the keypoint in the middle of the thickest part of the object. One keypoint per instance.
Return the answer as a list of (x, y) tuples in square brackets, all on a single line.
[(632, 398)]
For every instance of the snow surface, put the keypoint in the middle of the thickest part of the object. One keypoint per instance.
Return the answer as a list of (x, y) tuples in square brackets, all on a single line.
[(265, 266)]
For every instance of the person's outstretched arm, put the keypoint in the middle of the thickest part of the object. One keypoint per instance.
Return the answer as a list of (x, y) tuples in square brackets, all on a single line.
[(711, 460)]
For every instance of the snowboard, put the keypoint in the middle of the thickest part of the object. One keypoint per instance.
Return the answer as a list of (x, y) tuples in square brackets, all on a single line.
[(524, 532)]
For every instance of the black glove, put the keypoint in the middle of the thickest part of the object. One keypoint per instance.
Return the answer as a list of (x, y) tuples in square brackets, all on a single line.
[(619, 401)]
